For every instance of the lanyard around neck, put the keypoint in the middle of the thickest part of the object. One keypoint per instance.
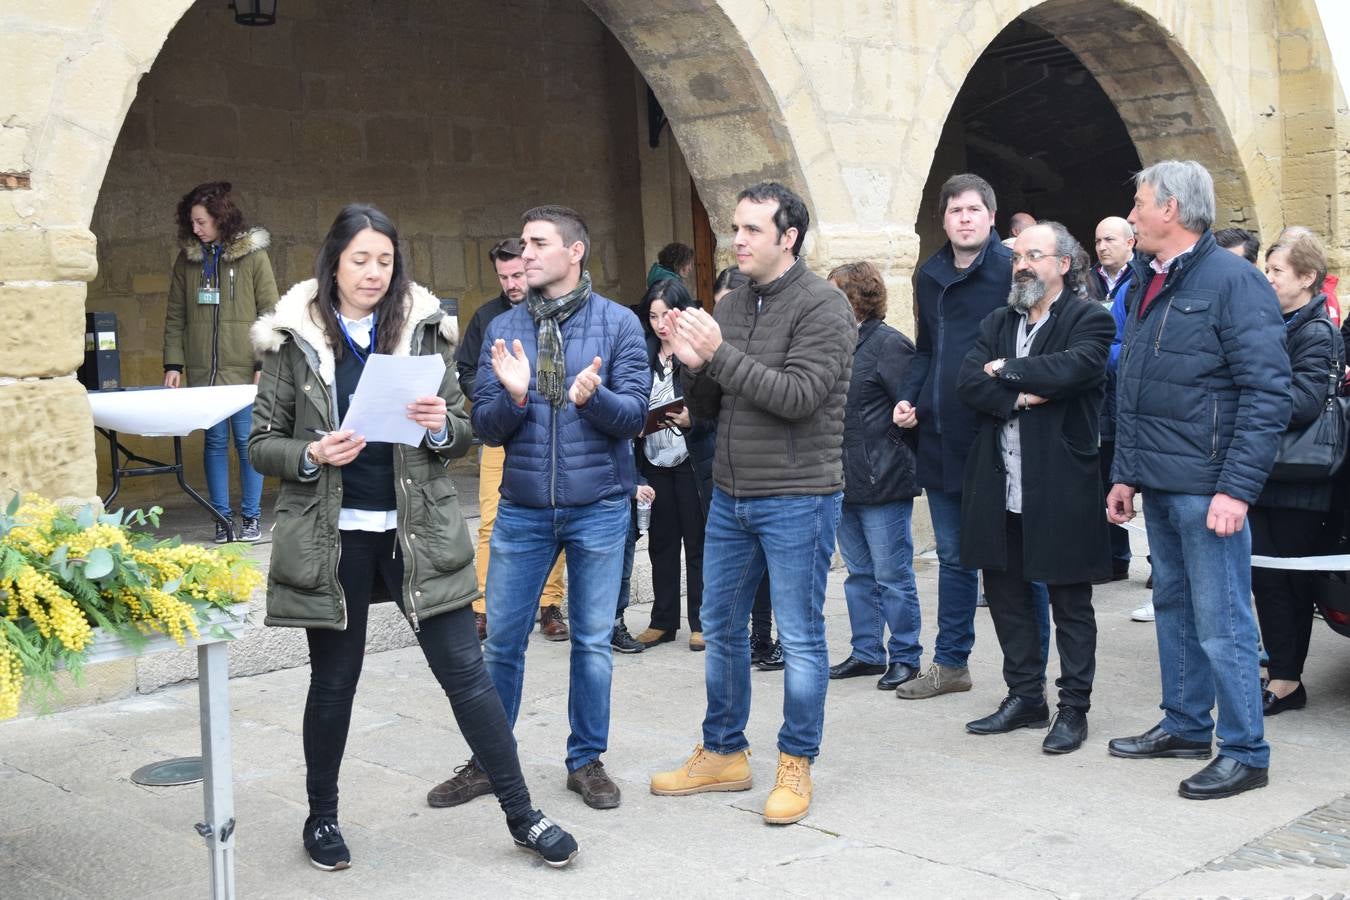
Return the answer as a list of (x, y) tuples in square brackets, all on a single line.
[(356, 351)]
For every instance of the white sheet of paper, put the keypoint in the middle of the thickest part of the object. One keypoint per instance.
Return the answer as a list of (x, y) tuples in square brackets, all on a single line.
[(379, 408)]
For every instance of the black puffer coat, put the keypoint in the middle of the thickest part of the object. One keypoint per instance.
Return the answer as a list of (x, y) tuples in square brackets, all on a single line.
[(1315, 351), (878, 460)]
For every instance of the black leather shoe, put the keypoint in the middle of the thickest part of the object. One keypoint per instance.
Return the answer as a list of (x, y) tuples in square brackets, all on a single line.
[(896, 675), (1225, 777), (1157, 744), (853, 667), (1273, 706), (1068, 731), (1013, 712)]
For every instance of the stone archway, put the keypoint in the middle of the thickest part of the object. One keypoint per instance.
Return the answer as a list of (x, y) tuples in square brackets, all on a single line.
[(76, 73), (1168, 106), (1143, 54)]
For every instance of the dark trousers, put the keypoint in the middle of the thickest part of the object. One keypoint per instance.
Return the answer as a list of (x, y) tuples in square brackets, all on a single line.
[(1284, 599), (1015, 622), (1120, 538), (629, 551), (449, 642), (678, 519), (761, 614)]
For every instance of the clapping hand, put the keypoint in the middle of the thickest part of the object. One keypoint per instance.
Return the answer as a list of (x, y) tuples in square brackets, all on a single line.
[(700, 332), (585, 384), (512, 369), (683, 352)]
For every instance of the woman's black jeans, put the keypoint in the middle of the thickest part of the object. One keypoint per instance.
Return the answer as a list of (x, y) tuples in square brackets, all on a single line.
[(449, 642)]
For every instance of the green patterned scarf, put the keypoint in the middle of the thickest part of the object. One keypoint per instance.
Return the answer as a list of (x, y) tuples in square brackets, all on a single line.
[(549, 316)]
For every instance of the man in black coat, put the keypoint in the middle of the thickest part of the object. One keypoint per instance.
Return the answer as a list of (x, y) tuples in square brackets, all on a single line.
[(954, 290), (1032, 494)]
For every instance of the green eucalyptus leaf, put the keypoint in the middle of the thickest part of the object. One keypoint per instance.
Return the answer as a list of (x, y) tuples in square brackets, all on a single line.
[(97, 563), (14, 503), (85, 517)]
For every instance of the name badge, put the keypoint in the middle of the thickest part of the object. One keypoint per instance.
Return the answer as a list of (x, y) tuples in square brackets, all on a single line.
[(208, 297)]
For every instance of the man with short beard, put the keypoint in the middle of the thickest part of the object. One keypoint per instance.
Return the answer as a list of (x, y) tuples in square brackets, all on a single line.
[(1032, 494)]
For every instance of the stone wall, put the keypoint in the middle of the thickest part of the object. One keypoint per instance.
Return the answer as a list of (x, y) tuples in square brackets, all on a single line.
[(443, 133)]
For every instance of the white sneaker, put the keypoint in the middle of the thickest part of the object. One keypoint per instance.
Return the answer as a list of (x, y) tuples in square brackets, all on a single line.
[(1143, 613)]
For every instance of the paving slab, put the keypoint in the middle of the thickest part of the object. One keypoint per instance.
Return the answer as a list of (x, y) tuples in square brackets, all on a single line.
[(907, 803)]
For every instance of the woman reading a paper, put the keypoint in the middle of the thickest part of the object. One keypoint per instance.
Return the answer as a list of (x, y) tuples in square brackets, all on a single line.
[(359, 520)]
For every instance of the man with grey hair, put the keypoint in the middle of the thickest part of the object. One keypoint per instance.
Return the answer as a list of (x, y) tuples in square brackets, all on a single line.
[(1203, 394), (1032, 493)]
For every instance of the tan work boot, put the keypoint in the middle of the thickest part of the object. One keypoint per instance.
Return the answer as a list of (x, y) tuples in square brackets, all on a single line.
[(705, 771), (935, 680), (790, 799)]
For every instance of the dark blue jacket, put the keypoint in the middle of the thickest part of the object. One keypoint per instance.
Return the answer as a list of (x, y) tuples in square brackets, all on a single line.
[(568, 456), (878, 460), (951, 305), (1116, 303), (1203, 381)]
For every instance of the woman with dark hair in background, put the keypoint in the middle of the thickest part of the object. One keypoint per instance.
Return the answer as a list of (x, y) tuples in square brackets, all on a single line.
[(222, 281), (675, 260), (1288, 519), (879, 491), (766, 654), (362, 521), (676, 461)]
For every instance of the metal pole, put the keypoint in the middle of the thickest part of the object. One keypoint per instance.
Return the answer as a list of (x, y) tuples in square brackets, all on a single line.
[(213, 674)]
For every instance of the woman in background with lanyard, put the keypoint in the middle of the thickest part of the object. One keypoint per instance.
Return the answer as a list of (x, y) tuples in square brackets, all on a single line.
[(358, 522), (222, 282)]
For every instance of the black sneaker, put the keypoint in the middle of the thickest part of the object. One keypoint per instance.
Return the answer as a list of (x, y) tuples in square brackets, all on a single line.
[(623, 642), (323, 841), (759, 649), (222, 532), (250, 530), (773, 660), (538, 834)]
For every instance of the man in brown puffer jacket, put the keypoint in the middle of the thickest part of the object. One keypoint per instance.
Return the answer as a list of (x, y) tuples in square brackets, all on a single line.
[(773, 367)]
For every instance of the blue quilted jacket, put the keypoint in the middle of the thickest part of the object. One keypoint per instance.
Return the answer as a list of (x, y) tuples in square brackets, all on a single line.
[(1203, 380), (568, 456)]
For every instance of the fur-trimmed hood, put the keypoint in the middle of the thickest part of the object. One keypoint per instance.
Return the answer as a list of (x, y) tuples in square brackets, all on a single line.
[(239, 246), (295, 317)]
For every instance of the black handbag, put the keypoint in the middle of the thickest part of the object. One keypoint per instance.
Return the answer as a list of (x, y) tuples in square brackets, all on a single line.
[(1315, 451)]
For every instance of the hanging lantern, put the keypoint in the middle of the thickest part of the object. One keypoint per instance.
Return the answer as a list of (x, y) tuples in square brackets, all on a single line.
[(254, 12)]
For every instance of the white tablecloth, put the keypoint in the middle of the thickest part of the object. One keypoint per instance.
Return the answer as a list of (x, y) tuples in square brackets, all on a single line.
[(168, 412)]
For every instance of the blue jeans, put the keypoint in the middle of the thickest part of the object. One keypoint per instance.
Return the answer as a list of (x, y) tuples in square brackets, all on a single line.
[(1207, 634), (958, 588), (216, 461), (793, 537), (629, 551), (879, 552), (525, 543)]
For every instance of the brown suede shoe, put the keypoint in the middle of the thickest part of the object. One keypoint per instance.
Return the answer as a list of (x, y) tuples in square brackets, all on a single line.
[(551, 624), (594, 785), (468, 782)]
